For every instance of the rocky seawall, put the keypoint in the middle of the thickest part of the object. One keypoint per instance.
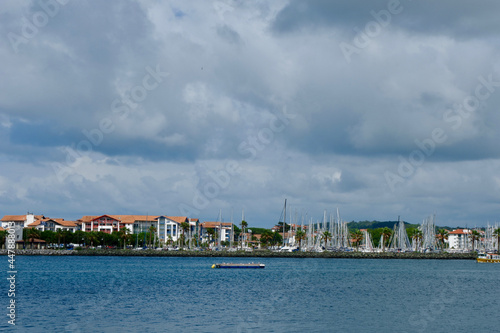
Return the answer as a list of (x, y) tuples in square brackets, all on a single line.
[(243, 254)]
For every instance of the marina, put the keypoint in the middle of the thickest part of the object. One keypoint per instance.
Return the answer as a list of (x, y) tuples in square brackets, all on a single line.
[(109, 294)]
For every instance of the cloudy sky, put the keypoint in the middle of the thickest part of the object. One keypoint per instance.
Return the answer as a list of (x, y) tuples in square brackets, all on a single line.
[(379, 108)]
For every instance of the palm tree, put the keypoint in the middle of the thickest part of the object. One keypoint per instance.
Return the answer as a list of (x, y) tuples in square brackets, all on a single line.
[(326, 236), (152, 231), (185, 228), (59, 233), (92, 236), (474, 236), (65, 233), (211, 234), (441, 235), (300, 235), (266, 237), (386, 233), (123, 234), (195, 238), (32, 234), (417, 237), (357, 236), (244, 224), (496, 233)]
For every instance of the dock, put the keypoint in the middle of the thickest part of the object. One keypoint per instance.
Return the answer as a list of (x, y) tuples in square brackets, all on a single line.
[(230, 265)]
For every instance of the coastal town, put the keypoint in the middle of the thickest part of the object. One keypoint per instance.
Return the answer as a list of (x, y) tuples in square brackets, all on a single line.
[(164, 232)]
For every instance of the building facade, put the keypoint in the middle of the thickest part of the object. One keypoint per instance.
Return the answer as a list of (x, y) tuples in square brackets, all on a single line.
[(459, 239)]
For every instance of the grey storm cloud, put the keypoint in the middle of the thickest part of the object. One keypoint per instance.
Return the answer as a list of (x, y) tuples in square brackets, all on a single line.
[(137, 107), (461, 19)]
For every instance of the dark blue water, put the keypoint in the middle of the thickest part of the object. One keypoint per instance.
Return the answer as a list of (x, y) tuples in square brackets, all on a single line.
[(129, 294)]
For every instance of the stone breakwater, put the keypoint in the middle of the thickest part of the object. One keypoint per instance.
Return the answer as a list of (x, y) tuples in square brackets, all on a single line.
[(243, 254)]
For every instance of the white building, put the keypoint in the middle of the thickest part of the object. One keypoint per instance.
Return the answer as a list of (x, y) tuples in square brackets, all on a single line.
[(222, 230), (19, 222), (169, 228), (107, 223), (53, 225), (459, 239)]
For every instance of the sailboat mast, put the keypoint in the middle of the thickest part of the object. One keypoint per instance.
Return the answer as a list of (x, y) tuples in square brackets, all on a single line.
[(284, 224)]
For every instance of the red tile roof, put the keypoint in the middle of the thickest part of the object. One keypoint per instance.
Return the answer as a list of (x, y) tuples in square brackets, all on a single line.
[(459, 232), (126, 219), (178, 219), (58, 221), (16, 218), (215, 224)]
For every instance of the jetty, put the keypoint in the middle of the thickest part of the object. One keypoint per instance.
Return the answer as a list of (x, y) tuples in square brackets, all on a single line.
[(244, 254), (232, 265)]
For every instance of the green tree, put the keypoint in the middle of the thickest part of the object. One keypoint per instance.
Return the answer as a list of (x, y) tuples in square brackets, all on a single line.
[(3, 237), (417, 237), (266, 238), (185, 228), (496, 233), (237, 233), (357, 236), (92, 237), (59, 234), (300, 235), (386, 234), (211, 234), (78, 237), (32, 234), (474, 237), (244, 225), (196, 240), (124, 235), (376, 235), (48, 236), (280, 225), (277, 239), (326, 236), (66, 234), (152, 231), (442, 235)]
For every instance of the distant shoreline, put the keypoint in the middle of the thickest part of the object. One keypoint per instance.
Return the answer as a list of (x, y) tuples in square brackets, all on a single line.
[(243, 254)]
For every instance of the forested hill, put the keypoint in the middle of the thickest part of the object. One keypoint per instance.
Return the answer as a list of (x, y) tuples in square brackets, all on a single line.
[(376, 224)]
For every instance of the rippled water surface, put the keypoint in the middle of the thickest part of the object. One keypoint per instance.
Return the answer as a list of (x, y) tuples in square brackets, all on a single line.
[(146, 294)]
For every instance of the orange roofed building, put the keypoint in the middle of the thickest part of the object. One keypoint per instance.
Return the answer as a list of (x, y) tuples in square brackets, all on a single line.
[(459, 239), (166, 227), (223, 229), (19, 222), (53, 225)]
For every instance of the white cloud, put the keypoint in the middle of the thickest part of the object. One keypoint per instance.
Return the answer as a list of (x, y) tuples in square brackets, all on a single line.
[(232, 67)]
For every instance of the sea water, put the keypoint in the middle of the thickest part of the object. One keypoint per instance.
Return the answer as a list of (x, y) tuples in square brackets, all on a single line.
[(163, 294)]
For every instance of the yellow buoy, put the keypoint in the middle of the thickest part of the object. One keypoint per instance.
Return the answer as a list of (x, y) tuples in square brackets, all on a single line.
[(213, 266)]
